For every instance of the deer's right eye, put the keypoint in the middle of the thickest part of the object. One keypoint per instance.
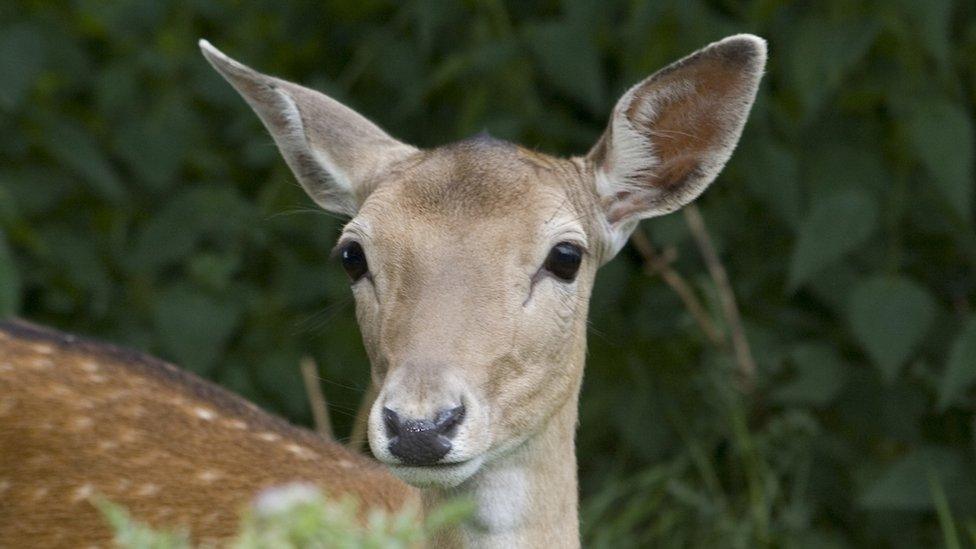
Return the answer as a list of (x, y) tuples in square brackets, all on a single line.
[(354, 260)]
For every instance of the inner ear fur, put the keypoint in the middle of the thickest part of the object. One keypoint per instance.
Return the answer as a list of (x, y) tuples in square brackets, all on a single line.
[(671, 134)]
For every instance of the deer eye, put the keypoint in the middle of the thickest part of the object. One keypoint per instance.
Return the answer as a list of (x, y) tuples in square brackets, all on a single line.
[(564, 261), (354, 260)]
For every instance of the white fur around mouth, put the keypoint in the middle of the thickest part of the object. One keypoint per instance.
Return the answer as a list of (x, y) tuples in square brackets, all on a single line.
[(444, 475)]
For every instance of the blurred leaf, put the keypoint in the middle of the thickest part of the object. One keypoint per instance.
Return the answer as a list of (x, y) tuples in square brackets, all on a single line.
[(214, 271), (215, 214), (281, 378), (193, 328), (960, 370), (9, 281), (904, 485), (890, 316), (928, 23), (822, 52), (80, 262), (21, 61), (941, 133), (820, 376), (569, 60), (77, 149), (154, 146), (772, 177), (835, 225), (839, 154), (35, 189)]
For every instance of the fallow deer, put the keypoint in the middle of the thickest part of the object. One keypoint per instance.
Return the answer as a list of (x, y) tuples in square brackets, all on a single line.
[(472, 265)]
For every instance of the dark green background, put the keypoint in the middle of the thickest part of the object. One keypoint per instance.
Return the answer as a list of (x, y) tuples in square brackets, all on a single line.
[(142, 202)]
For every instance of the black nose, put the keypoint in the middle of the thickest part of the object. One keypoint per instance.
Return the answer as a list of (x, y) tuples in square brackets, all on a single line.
[(422, 441)]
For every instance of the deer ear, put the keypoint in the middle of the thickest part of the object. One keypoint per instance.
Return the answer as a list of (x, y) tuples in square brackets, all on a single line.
[(671, 134), (334, 152)]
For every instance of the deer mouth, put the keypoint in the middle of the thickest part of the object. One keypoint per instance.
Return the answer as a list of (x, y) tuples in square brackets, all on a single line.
[(438, 475)]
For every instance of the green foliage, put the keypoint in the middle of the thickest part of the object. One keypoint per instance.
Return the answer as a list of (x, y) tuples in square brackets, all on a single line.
[(906, 484), (836, 225), (131, 534), (942, 134), (141, 201), (9, 280), (960, 372), (890, 316), (299, 516)]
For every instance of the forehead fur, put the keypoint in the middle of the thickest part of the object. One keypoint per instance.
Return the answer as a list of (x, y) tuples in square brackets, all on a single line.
[(479, 177)]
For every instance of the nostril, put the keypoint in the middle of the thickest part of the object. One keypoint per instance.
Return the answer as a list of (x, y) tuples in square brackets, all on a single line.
[(392, 422), (422, 441), (447, 421)]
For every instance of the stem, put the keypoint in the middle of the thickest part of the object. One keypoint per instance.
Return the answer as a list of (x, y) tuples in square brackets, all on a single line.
[(358, 436), (655, 264), (316, 399), (730, 309)]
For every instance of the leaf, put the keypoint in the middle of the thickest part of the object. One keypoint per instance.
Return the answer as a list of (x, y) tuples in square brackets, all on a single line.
[(961, 369), (79, 261), (941, 133), (928, 24), (904, 485), (214, 214), (193, 327), (35, 189), (890, 316), (822, 53), (279, 377), (820, 376), (10, 284), (154, 145), (773, 176), (836, 225), (74, 147), (569, 60), (21, 61), (839, 154)]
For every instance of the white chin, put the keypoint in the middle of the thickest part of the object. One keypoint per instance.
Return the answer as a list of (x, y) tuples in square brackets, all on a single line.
[(447, 475)]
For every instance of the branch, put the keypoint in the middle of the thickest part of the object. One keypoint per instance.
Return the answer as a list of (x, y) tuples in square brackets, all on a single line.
[(730, 309), (316, 399), (655, 264), (358, 436)]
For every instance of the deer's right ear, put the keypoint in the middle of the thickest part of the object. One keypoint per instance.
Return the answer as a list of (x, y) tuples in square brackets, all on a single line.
[(334, 152)]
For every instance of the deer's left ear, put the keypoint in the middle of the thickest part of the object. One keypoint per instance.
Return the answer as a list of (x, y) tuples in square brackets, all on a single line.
[(671, 134)]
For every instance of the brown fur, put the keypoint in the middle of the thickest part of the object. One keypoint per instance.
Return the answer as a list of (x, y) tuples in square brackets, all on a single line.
[(80, 419)]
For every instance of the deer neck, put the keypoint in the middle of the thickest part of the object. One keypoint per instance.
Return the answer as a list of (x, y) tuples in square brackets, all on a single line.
[(527, 498)]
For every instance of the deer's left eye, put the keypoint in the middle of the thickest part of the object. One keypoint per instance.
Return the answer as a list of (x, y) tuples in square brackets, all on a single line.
[(564, 261)]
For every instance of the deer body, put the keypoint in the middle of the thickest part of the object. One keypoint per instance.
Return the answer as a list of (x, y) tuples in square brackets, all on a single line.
[(472, 266), (80, 419)]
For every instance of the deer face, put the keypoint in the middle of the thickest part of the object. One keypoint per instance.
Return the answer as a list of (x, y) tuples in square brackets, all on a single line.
[(472, 264)]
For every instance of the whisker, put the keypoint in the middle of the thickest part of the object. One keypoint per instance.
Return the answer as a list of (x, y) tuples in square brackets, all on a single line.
[(318, 320), (343, 385)]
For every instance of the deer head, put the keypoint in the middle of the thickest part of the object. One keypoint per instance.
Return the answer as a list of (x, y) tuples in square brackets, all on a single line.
[(472, 266)]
